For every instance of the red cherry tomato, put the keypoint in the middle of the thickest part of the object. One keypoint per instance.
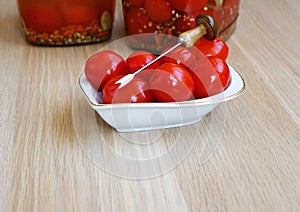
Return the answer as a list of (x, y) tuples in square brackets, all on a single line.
[(79, 14), (101, 6), (158, 10), (217, 47), (222, 70), (211, 77), (185, 23), (138, 59), (42, 17), (188, 6), (231, 9), (183, 56), (102, 66), (135, 91), (136, 21), (133, 3), (171, 83)]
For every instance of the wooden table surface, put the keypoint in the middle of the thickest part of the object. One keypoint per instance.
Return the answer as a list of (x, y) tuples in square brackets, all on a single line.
[(244, 156)]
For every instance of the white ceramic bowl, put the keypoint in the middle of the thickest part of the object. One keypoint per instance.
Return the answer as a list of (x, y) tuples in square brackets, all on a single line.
[(149, 116)]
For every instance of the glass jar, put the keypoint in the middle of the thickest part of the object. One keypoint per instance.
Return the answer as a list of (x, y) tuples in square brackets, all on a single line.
[(173, 17), (66, 22)]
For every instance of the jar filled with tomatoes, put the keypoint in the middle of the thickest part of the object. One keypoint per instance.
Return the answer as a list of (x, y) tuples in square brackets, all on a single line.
[(66, 22), (173, 17)]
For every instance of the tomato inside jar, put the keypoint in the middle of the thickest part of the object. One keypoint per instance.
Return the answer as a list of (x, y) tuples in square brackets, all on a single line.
[(173, 17), (66, 22)]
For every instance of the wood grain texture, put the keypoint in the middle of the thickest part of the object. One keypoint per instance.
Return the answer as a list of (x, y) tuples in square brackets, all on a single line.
[(249, 161)]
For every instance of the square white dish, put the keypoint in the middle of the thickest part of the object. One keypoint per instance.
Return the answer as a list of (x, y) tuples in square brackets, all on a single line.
[(130, 117)]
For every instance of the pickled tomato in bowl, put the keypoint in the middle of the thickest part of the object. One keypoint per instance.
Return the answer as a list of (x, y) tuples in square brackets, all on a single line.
[(183, 74), (128, 112)]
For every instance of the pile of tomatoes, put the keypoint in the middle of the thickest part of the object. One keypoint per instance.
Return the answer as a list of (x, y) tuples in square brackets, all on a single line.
[(183, 74)]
